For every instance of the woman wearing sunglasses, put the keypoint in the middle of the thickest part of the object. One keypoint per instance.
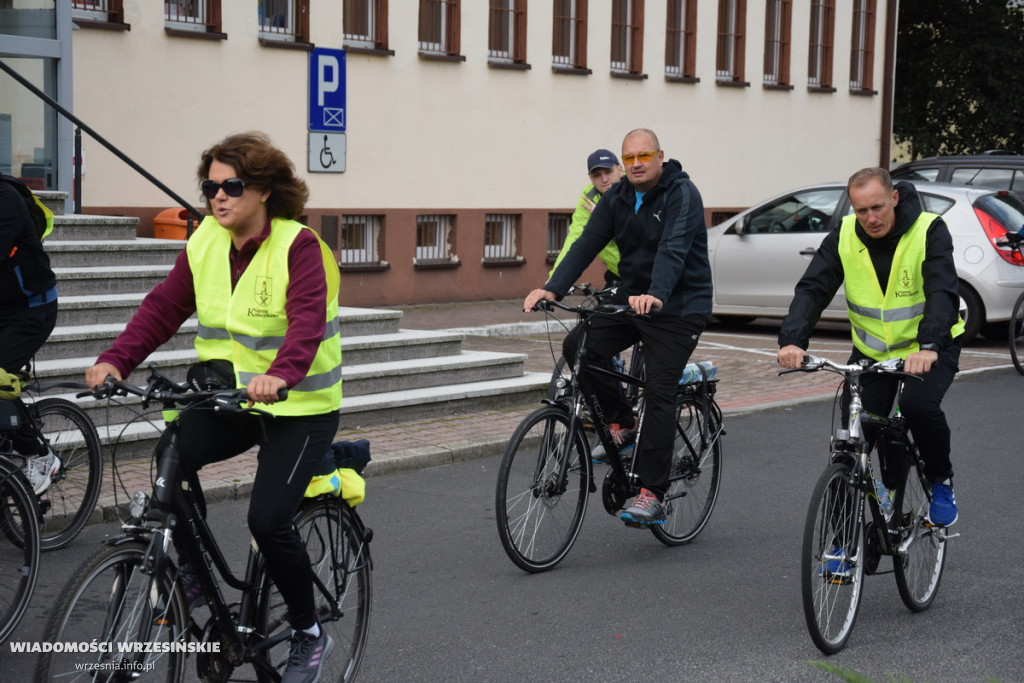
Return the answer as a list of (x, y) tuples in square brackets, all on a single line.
[(265, 290)]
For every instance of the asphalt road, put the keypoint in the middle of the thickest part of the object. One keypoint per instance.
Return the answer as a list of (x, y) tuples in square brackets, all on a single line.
[(450, 606)]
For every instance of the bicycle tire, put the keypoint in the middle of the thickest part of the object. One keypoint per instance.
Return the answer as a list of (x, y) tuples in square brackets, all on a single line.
[(339, 552), (537, 523), (19, 546), (75, 489), (835, 519), (918, 570), (696, 476), (107, 601), (1017, 334)]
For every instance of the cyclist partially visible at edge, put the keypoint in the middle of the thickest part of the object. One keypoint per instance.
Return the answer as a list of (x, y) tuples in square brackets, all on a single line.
[(657, 220), (265, 289), (902, 297), (604, 171)]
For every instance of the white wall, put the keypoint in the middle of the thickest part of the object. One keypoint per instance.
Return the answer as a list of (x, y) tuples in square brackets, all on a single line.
[(429, 134)]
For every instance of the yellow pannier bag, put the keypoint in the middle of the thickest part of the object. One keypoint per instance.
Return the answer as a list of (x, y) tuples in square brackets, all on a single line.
[(340, 472), (10, 384)]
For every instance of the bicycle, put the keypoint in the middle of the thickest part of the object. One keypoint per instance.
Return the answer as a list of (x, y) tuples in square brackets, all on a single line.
[(546, 473), (64, 507), (19, 545), (128, 597), (839, 545), (1013, 241)]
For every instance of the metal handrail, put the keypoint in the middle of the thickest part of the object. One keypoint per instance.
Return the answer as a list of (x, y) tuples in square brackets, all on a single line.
[(192, 211)]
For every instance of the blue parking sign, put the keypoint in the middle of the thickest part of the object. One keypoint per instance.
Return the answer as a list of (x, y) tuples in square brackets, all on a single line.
[(327, 90)]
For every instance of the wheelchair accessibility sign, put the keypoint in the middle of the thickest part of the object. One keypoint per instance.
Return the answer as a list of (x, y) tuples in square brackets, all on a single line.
[(326, 152)]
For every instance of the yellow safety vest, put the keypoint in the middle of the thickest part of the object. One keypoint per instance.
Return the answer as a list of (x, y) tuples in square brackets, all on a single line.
[(247, 325), (885, 325)]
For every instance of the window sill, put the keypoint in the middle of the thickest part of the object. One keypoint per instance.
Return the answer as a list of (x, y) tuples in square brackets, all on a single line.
[(732, 84), (628, 76), (105, 25), (820, 89), (510, 66), (515, 261), (435, 57), (202, 35), (286, 44), (682, 79), (378, 267), (776, 86), (863, 92), (439, 264), (571, 70), (375, 51)]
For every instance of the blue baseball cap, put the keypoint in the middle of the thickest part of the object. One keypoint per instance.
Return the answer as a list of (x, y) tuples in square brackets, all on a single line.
[(602, 158)]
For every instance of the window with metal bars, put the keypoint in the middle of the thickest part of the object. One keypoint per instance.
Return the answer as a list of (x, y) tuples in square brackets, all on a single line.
[(283, 21), (819, 68), (627, 36), (501, 233), (358, 239), (558, 229), (681, 40), (435, 234), (192, 16), (569, 36), (731, 52), (365, 24), (777, 31), (98, 11), (862, 52), (506, 36), (439, 27)]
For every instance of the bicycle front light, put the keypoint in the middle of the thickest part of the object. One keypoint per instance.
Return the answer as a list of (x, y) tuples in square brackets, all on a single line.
[(138, 504)]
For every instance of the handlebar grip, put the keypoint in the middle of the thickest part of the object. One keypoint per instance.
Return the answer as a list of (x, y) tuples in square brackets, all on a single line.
[(542, 305)]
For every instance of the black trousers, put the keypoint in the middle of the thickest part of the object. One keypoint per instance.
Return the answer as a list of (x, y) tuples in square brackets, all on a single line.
[(921, 405), (668, 342), (288, 456), (22, 333)]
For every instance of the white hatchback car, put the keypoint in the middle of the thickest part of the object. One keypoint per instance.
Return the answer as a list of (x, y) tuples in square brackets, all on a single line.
[(758, 256)]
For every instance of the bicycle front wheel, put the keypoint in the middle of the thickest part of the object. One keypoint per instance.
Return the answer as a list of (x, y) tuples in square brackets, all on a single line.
[(19, 546), (1017, 334), (832, 567), (72, 496), (921, 550), (112, 601), (339, 551), (540, 513), (696, 474)]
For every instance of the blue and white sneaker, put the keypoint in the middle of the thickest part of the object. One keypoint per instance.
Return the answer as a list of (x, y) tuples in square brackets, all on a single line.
[(942, 511), (645, 510), (836, 565)]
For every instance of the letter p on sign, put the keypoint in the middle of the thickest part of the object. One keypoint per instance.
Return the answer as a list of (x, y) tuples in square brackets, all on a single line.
[(327, 90)]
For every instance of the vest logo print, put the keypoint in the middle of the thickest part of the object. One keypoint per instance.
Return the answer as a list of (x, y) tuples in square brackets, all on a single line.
[(263, 294), (905, 282)]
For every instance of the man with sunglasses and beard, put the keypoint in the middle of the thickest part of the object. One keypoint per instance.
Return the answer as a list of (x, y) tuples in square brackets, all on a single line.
[(657, 220), (265, 290)]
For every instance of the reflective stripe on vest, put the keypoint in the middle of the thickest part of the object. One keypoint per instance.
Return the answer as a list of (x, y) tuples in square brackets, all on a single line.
[(885, 325), (248, 326)]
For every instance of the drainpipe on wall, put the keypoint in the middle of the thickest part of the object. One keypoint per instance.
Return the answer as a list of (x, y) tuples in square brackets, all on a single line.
[(889, 82)]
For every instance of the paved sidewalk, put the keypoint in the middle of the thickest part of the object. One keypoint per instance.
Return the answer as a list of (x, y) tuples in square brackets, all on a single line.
[(746, 366)]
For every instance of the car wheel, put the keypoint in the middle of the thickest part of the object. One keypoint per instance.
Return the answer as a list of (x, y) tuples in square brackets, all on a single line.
[(972, 311)]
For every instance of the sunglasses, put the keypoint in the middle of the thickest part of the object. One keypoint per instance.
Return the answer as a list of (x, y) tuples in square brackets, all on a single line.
[(233, 187), (642, 157)]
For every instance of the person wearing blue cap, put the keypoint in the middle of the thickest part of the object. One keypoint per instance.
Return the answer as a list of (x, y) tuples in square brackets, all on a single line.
[(604, 170)]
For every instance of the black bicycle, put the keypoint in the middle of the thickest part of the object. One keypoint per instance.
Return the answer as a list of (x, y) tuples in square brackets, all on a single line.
[(127, 604), (840, 544), (546, 474), (66, 506), (1013, 241), (19, 544)]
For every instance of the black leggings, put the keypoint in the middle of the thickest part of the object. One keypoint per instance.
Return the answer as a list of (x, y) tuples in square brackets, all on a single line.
[(287, 458), (668, 342)]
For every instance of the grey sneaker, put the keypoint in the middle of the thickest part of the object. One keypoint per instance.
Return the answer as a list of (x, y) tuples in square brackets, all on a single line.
[(40, 470), (645, 510), (306, 656)]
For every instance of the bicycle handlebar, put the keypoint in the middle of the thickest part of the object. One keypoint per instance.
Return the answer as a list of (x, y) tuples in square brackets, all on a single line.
[(890, 366), (605, 309)]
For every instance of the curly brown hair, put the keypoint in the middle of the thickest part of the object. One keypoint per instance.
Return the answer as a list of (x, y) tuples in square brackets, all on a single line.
[(263, 167)]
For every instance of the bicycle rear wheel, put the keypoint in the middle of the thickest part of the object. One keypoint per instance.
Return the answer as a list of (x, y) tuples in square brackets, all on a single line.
[(112, 601), (539, 517), (1017, 334), (919, 567), (832, 570), (19, 546), (339, 551), (696, 474), (72, 496)]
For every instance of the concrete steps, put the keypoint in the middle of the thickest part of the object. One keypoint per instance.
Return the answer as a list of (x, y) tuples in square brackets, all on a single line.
[(389, 373)]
